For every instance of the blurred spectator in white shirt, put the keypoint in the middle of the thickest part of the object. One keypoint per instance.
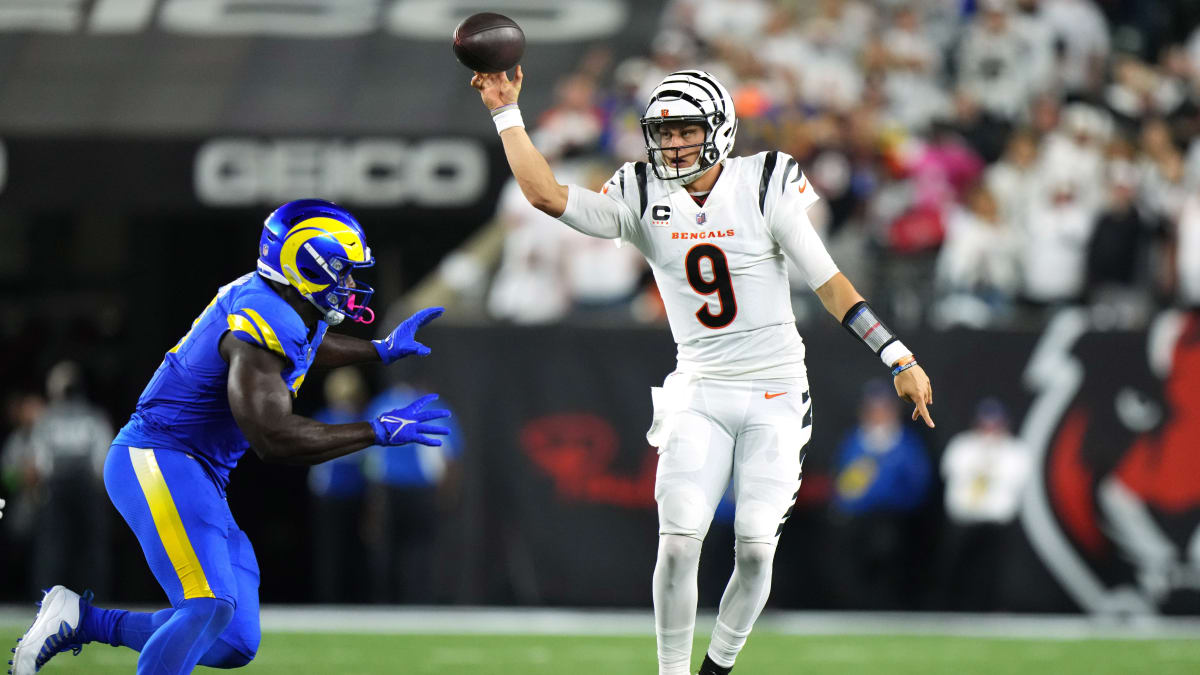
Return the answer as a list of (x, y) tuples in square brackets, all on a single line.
[(528, 287), (716, 21), (994, 63), (986, 470), (911, 62), (1082, 31), (978, 268), (1139, 90), (829, 77), (547, 269), (1187, 253), (1075, 153), (1038, 35), (1070, 192), (1058, 228), (1010, 180), (850, 23), (1163, 188)]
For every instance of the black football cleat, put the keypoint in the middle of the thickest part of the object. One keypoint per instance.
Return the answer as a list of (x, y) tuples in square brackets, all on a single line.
[(710, 668)]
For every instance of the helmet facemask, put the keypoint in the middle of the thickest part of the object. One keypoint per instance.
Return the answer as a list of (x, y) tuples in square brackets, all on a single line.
[(689, 97), (661, 158), (328, 283)]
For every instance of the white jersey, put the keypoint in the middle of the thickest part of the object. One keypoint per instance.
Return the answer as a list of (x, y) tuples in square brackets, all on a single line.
[(719, 267)]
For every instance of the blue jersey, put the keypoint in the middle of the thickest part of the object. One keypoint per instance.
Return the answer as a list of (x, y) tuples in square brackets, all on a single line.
[(186, 407)]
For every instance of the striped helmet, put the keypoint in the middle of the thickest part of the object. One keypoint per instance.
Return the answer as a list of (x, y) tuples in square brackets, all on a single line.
[(690, 96)]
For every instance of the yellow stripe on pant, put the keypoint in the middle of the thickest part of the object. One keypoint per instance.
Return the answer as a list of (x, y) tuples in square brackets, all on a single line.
[(170, 527)]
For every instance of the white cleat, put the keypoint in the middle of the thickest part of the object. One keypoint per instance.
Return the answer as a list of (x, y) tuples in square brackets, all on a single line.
[(53, 631)]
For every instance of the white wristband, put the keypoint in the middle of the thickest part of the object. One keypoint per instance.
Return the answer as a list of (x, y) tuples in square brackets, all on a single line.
[(508, 117), (893, 353)]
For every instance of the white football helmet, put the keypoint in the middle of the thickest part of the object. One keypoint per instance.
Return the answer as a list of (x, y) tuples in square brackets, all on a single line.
[(690, 96)]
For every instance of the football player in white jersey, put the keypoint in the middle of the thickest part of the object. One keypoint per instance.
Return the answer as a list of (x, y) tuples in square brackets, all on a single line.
[(715, 230)]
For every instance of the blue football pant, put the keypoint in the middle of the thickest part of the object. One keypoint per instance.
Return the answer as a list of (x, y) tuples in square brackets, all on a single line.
[(199, 556)]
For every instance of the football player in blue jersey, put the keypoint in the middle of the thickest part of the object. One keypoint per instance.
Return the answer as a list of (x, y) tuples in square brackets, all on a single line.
[(226, 386)]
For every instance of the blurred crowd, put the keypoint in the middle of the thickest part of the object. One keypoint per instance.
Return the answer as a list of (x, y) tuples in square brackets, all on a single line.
[(979, 161), (375, 515)]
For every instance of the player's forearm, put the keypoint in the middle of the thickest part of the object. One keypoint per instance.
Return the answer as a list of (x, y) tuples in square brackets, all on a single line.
[(299, 440), (533, 173), (338, 350), (838, 295)]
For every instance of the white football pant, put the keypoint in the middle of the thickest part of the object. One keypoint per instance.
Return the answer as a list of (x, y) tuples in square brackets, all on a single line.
[(709, 432)]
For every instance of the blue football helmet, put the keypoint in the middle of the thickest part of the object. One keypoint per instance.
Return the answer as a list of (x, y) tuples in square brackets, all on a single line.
[(314, 246)]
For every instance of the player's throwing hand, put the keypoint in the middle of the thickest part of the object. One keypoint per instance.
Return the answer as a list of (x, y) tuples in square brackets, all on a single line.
[(407, 425), (913, 386), (496, 89)]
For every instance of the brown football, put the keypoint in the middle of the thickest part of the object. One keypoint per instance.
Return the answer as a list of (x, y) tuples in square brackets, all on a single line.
[(488, 42)]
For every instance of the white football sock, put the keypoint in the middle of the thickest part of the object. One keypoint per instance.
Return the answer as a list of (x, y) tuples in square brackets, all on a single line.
[(675, 602), (742, 602)]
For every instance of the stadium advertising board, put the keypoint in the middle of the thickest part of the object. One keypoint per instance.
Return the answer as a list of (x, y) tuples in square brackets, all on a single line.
[(560, 507)]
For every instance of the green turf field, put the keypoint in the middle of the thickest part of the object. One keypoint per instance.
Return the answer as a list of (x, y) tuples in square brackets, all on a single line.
[(766, 654)]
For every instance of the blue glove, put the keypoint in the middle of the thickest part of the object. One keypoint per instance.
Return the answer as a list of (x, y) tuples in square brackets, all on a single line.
[(407, 425), (401, 343)]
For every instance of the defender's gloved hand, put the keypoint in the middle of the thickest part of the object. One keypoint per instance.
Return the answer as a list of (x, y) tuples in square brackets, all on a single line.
[(407, 425), (1, 508), (401, 343)]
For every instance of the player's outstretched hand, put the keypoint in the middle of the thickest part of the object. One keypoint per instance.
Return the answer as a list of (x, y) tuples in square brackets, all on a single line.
[(913, 386), (1, 508), (402, 340), (496, 89), (408, 424)]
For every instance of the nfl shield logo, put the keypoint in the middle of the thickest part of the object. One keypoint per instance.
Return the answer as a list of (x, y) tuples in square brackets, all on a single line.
[(700, 218)]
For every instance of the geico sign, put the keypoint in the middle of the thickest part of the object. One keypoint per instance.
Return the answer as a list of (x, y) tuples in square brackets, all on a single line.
[(542, 20), (436, 173)]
